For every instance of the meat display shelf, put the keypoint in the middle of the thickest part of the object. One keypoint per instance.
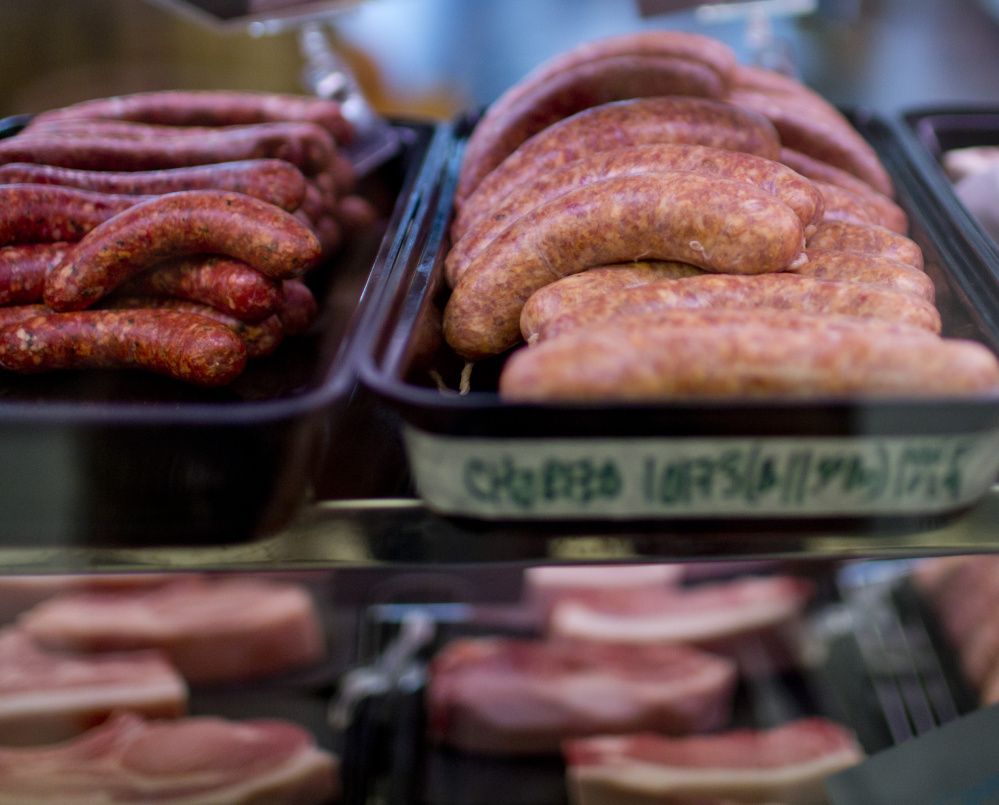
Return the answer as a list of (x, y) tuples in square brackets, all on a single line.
[(384, 536)]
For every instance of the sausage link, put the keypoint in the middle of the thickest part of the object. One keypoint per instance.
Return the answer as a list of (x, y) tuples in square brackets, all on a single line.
[(23, 270), (892, 275), (298, 307), (44, 214), (259, 339), (178, 224), (778, 180), (579, 87), (717, 224), (777, 291), (801, 130), (652, 359), (9, 314), (843, 236), (272, 180), (210, 108), (312, 202), (889, 213), (223, 283), (306, 145), (698, 121), (578, 289), (329, 233), (842, 205), (716, 56), (184, 346), (355, 212)]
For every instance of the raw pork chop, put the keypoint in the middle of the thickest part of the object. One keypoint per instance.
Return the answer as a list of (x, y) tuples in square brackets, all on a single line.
[(191, 761), (504, 696), (756, 620), (48, 696), (212, 630), (786, 764)]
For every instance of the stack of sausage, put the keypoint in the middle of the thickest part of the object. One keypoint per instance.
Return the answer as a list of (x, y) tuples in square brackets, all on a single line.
[(168, 231), (655, 219)]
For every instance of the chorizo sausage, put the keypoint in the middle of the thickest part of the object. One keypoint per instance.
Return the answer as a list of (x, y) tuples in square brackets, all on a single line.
[(355, 212), (210, 108), (272, 180), (778, 180), (305, 145), (259, 339), (776, 291), (32, 213), (799, 128), (892, 275), (717, 224), (178, 224), (14, 313), (889, 213), (654, 359), (223, 283), (582, 86), (298, 307), (184, 346), (843, 236), (698, 121), (578, 289), (23, 270)]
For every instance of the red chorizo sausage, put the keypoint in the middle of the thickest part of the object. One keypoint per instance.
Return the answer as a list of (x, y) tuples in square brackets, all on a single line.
[(306, 145), (717, 224), (778, 180), (23, 270), (641, 358), (298, 307), (44, 214), (210, 108), (184, 346), (843, 236), (889, 213), (260, 339), (272, 180), (223, 283), (178, 224), (579, 87), (771, 291), (698, 121)]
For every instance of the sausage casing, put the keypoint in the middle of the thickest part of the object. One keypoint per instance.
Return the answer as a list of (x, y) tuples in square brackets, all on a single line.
[(23, 270), (179, 224), (32, 213), (642, 358), (712, 223), (844, 236), (184, 346), (892, 275)]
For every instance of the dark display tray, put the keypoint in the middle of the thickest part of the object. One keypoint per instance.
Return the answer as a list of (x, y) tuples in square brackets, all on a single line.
[(857, 464), (101, 458)]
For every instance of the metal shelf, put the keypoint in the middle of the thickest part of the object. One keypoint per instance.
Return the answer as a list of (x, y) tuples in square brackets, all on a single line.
[(394, 534)]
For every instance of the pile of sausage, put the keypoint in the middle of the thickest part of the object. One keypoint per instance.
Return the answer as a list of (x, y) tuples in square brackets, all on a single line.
[(655, 219), (169, 231)]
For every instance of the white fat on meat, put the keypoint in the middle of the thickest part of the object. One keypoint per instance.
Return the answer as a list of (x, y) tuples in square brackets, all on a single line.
[(506, 696), (786, 764), (48, 696), (190, 761), (213, 630)]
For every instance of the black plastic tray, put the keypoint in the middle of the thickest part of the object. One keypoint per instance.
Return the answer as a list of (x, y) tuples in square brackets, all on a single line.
[(102, 458), (481, 460)]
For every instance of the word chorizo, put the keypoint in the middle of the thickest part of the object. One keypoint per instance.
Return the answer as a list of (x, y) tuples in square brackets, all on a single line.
[(778, 180), (653, 359), (184, 346), (272, 180), (717, 224), (178, 224), (698, 121)]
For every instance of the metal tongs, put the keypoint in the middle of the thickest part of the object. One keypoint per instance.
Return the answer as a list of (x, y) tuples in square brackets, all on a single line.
[(326, 75), (397, 668)]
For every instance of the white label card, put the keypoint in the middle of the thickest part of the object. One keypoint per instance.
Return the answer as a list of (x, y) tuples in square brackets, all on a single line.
[(635, 478)]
